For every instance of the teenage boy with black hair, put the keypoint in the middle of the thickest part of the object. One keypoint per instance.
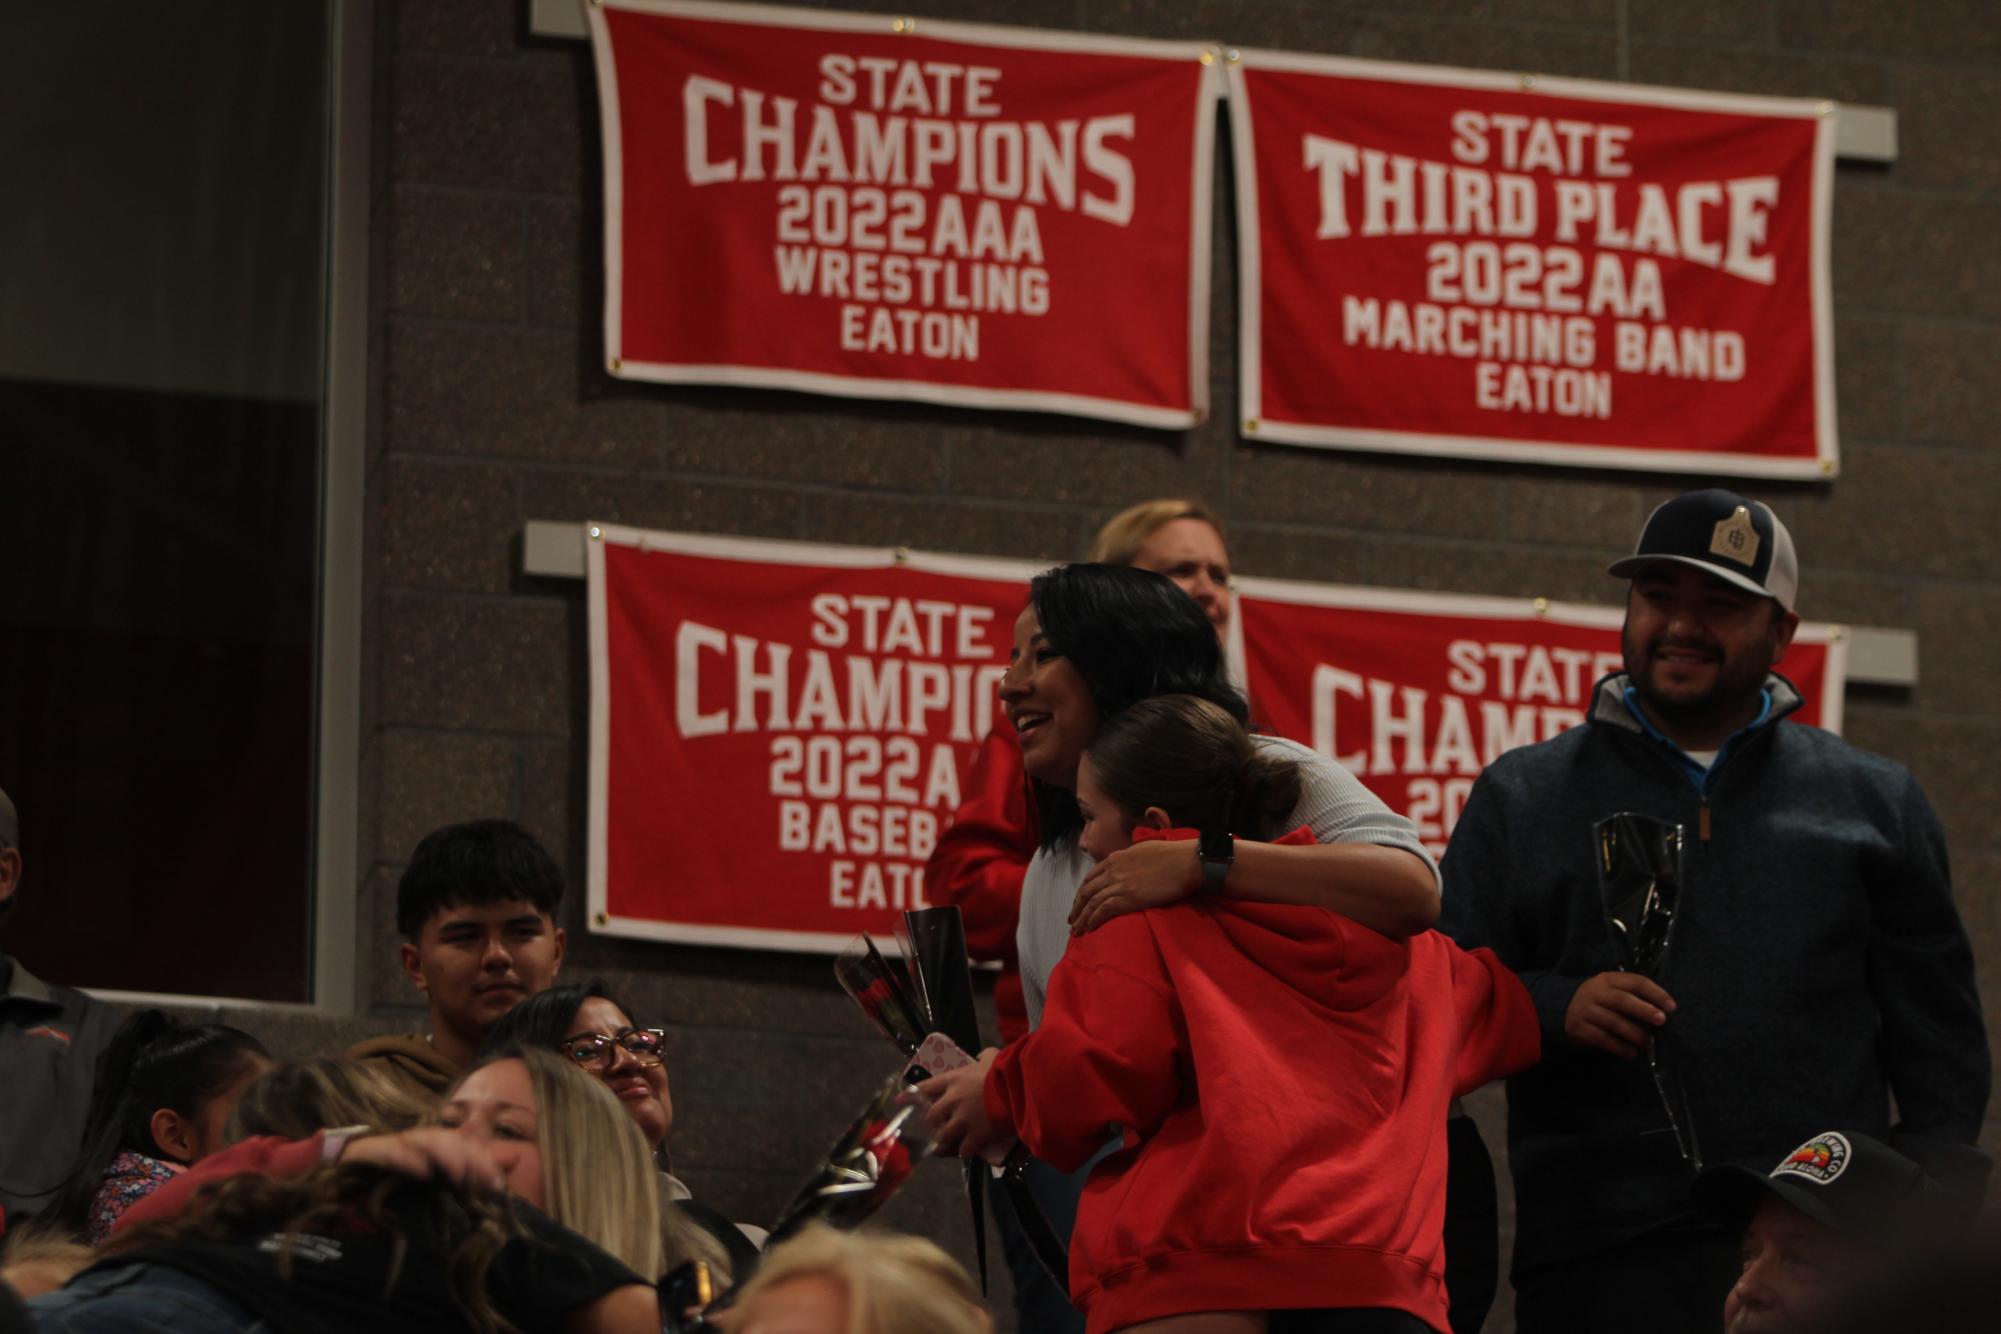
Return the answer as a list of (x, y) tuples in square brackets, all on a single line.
[(477, 908)]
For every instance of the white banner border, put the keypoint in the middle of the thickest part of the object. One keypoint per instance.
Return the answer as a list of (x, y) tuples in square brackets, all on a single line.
[(1826, 463), (598, 919), (1202, 205), (1587, 615)]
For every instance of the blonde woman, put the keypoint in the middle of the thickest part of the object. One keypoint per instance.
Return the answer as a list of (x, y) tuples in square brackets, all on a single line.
[(408, 1231), (827, 1282), (1182, 539)]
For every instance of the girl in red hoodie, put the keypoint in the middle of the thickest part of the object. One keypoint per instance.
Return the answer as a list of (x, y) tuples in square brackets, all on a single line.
[(1277, 1075)]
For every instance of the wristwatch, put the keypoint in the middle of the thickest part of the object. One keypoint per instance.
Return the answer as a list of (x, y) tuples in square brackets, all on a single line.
[(1218, 852)]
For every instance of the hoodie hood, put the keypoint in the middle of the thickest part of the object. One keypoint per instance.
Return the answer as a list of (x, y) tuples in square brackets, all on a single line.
[(411, 1060), (1300, 946), (1608, 701)]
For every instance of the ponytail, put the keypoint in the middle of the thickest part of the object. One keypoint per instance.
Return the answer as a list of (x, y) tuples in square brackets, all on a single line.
[(153, 1061), (1195, 761), (1266, 794)]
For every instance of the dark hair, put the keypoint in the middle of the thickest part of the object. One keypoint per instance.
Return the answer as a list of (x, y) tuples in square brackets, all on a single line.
[(152, 1061), (1197, 763), (472, 865), (248, 1208), (544, 1019), (1130, 634)]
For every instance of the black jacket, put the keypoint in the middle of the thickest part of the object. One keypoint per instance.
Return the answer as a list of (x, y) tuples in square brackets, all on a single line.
[(1818, 962), (50, 1038)]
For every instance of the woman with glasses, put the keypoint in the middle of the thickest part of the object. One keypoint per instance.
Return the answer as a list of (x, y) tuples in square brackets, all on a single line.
[(587, 1024)]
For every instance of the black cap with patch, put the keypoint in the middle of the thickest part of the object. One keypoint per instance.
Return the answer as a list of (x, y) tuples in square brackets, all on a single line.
[(1856, 1185), (1724, 534)]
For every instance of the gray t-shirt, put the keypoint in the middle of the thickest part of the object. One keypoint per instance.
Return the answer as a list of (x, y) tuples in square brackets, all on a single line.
[(1332, 803)]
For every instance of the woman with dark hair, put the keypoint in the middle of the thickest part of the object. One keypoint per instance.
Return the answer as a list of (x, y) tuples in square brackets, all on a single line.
[(1094, 639), (587, 1024), (981, 860), (161, 1104), (978, 863), (1278, 1074)]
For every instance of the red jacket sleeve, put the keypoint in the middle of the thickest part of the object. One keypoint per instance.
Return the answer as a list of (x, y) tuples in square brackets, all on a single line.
[(980, 860), (1499, 1033), (1108, 1052), (266, 1155)]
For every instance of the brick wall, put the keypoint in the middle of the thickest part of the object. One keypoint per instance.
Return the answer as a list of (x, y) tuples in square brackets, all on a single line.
[(489, 408)]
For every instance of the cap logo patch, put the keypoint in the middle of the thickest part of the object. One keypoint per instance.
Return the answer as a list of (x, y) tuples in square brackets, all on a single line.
[(1820, 1160), (1735, 539)]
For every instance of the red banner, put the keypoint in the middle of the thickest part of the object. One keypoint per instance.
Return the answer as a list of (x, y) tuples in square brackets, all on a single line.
[(780, 731), (906, 208), (1415, 692), (1538, 270)]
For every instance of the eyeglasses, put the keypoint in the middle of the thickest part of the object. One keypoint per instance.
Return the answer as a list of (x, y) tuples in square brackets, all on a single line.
[(593, 1051)]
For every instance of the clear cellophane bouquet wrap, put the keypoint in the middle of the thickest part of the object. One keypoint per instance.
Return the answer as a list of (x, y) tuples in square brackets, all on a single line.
[(1639, 885), (923, 1002), (870, 1162), (867, 1165)]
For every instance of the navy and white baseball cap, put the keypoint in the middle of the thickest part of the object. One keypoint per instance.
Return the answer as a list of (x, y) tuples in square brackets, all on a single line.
[(1724, 534)]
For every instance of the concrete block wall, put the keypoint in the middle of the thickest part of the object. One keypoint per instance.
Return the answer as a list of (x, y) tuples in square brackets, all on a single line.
[(489, 407)]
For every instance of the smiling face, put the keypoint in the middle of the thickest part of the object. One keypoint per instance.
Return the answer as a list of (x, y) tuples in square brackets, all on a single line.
[(1048, 703), (641, 1089), (475, 964), (495, 1105), (1191, 553), (1697, 649)]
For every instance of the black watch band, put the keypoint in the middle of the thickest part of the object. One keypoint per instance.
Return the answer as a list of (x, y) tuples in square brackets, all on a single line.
[(1218, 853)]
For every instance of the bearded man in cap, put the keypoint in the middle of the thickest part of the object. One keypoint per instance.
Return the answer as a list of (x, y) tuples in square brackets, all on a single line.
[(1818, 965)]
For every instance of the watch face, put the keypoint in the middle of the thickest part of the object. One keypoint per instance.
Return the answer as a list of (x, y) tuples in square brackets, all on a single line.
[(1217, 847)]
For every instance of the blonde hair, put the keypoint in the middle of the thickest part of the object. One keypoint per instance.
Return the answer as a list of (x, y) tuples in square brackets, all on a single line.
[(597, 1181), (597, 1174), (296, 1098), (1119, 541), (39, 1260), (895, 1284)]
